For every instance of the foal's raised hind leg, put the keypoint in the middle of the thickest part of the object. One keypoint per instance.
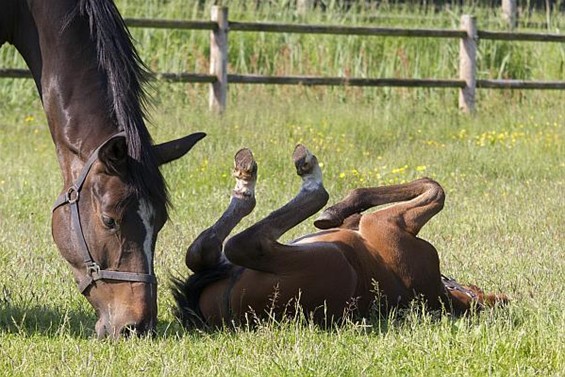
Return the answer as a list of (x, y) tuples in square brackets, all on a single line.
[(206, 251), (418, 202), (255, 246), (394, 230), (392, 233)]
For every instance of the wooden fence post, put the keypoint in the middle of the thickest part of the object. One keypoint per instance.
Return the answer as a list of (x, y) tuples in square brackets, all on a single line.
[(509, 13), (468, 63), (219, 59)]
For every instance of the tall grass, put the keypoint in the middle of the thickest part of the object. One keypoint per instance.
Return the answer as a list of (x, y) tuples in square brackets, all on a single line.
[(503, 171), (328, 55)]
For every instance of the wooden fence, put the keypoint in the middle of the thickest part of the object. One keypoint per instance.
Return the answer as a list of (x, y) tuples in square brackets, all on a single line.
[(218, 78)]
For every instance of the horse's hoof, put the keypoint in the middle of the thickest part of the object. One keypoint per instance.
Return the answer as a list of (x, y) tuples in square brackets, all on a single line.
[(245, 167), (328, 220), (303, 160)]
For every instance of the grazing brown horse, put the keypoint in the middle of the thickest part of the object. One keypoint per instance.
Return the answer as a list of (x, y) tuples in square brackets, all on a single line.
[(114, 200), (357, 261)]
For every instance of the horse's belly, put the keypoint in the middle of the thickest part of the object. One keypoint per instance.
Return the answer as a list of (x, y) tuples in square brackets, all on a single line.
[(323, 283)]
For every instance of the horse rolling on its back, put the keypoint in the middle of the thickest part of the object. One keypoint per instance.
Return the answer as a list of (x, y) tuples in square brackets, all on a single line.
[(355, 259), (114, 199)]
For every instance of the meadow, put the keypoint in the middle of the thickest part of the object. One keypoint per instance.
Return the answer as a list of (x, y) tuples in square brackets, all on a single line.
[(503, 171)]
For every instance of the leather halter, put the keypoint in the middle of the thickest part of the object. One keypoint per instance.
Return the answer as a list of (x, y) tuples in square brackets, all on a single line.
[(93, 270), (451, 285)]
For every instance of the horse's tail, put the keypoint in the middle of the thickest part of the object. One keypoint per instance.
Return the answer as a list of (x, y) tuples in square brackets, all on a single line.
[(186, 293), (464, 298)]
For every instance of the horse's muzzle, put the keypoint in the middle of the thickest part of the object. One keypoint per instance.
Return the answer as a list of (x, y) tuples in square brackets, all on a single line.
[(106, 329)]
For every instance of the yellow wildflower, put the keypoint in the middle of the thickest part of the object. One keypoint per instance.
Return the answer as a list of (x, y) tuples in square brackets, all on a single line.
[(399, 170)]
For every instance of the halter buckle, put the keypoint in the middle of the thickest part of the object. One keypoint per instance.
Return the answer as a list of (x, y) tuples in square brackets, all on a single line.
[(72, 194), (93, 270)]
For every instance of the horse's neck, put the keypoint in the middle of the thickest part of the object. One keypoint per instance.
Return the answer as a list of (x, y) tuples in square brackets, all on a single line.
[(71, 86)]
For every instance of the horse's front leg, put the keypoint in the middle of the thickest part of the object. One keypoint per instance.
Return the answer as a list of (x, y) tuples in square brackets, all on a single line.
[(206, 251), (253, 248)]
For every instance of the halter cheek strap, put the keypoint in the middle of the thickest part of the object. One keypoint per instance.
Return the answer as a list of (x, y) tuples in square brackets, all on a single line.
[(451, 285), (93, 270)]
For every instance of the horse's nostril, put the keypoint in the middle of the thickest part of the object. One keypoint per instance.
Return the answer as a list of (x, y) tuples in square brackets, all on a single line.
[(137, 329), (131, 330)]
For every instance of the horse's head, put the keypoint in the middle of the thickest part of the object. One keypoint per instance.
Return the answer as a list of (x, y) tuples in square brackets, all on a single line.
[(106, 230)]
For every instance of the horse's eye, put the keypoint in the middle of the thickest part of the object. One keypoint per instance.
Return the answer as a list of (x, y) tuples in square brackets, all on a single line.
[(109, 222)]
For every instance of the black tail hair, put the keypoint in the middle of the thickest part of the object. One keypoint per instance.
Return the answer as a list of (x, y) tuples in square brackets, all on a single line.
[(186, 293)]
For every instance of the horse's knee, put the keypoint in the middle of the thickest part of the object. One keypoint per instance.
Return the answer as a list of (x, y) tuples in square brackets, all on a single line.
[(204, 253), (232, 249), (249, 249), (238, 247)]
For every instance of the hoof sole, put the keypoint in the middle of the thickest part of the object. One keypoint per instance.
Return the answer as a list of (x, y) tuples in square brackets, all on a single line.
[(245, 167)]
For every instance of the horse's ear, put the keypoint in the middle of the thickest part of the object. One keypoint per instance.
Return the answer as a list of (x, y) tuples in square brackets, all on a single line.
[(171, 150), (114, 154)]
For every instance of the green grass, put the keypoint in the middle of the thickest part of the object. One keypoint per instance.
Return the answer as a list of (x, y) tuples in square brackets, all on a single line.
[(501, 229), (502, 170)]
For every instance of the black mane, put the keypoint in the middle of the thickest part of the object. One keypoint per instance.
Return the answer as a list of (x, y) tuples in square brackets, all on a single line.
[(126, 73)]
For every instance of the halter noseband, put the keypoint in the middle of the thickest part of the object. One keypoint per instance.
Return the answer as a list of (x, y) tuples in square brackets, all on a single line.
[(93, 270), (451, 285)]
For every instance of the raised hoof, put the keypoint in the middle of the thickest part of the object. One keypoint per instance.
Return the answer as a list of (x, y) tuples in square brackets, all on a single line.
[(245, 167), (328, 220), (245, 173), (304, 161)]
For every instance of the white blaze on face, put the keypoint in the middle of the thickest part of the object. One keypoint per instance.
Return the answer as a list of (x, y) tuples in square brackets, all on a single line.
[(147, 215)]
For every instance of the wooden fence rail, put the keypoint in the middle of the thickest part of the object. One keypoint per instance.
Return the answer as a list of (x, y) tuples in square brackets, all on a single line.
[(218, 78)]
